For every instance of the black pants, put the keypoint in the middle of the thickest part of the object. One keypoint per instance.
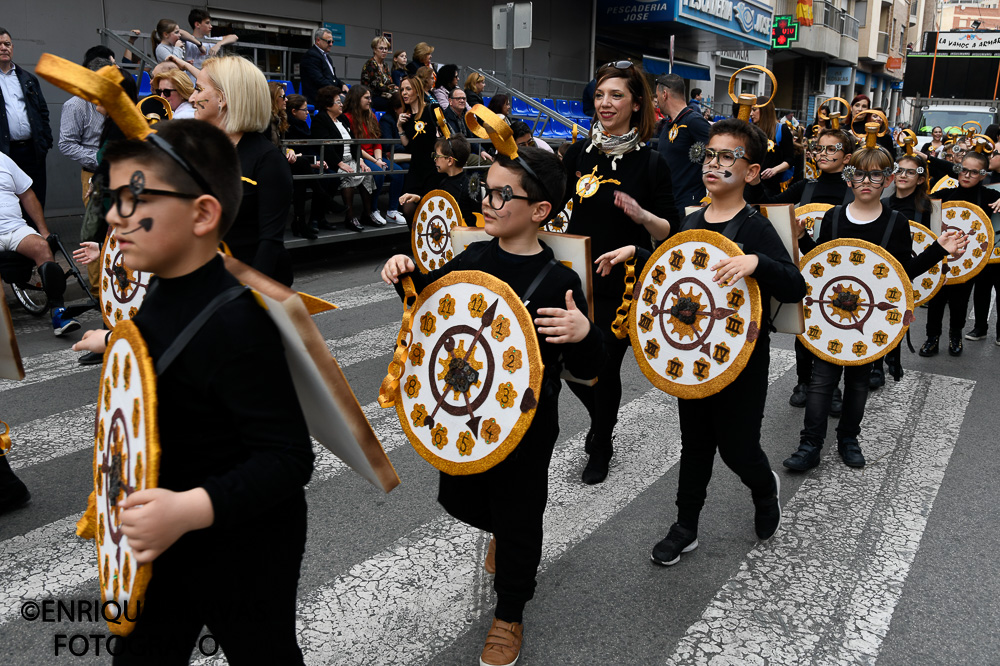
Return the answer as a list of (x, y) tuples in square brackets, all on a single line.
[(603, 399), (24, 155), (509, 501), (242, 588), (825, 378), (803, 362), (987, 282), (956, 297), (730, 422)]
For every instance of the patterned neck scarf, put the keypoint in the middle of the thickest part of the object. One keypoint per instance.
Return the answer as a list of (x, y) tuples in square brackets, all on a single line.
[(616, 146)]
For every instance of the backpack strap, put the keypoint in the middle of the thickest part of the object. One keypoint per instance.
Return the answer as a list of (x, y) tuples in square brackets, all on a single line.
[(848, 196), (182, 340), (734, 225), (538, 280), (893, 216), (836, 222), (807, 193)]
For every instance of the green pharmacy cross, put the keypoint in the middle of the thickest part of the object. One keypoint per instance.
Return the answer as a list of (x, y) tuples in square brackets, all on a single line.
[(784, 32)]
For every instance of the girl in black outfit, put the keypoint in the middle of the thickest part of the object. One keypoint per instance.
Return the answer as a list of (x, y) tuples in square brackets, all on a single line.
[(306, 163), (418, 133), (622, 195), (780, 150)]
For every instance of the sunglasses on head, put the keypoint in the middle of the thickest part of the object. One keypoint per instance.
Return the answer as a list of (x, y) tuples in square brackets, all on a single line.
[(617, 64)]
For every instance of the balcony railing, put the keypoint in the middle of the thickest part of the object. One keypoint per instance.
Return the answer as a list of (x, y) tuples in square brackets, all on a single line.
[(882, 46), (827, 15), (851, 26)]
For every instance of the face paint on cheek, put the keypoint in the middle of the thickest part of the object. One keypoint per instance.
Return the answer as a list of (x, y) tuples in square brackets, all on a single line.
[(145, 224)]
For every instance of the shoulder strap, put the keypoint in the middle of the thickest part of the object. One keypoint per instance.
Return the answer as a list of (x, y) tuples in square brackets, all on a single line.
[(538, 280), (695, 217), (807, 193), (848, 196), (734, 225), (182, 340), (836, 221), (918, 216), (893, 216)]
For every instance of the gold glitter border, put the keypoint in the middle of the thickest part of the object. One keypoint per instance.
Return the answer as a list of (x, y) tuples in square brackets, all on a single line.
[(976, 210), (413, 230), (941, 276), (856, 243), (724, 379), (533, 356)]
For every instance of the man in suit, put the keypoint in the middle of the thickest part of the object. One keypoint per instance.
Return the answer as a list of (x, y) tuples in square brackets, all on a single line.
[(316, 67), (25, 135)]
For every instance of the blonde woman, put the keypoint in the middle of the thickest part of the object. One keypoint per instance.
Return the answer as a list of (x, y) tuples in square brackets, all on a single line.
[(175, 87), (232, 94), (376, 77), (474, 86), (421, 57)]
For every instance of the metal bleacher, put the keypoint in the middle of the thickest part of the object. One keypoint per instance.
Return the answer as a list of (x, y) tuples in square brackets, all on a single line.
[(543, 116)]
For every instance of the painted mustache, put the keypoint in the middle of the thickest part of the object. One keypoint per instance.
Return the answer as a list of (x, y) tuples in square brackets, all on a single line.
[(724, 173)]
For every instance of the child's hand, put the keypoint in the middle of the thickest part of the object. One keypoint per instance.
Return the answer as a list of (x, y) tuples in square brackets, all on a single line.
[(800, 222), (732, 269), (995, 206), (954, 242), (92, 341), (409, 198), (87, 253), (569, 325), (395, 267), (609, 259), (155, 518)]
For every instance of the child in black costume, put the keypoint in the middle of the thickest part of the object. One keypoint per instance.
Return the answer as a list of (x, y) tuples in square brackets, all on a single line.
[(730, 420), (509, 499), (970, 175), (869, 219), (235, 451), (834, 149)]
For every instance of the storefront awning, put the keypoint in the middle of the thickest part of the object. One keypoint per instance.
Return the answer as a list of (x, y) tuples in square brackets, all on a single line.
[(741, 21), (686, 70)]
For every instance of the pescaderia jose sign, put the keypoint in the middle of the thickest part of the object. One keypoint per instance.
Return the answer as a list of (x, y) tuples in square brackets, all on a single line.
[(746, 20)]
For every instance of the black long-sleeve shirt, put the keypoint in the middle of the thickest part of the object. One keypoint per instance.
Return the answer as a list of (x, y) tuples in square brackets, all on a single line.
[(899, 245), (257, 236), (783, 150), (227, 412), (830, 189), (979, 195), (908, 207), (607, 225)]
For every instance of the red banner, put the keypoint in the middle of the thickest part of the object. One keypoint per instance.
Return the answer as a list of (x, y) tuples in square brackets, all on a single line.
[(804, 12)]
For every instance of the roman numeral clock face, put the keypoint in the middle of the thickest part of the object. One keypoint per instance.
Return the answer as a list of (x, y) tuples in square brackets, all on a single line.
[(859, 301), (692, 336)]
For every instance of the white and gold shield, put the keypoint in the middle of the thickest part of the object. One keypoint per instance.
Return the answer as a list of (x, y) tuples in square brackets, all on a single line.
[(430, 237), (469, 372), (122, 289), (559, 223), (126, 460), (925, 285), (971, 221), (859, 301), (813, 214), (692, 336)]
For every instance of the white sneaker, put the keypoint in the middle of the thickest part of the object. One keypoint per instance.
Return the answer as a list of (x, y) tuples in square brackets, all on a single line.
[(377, 218), (396, 217)]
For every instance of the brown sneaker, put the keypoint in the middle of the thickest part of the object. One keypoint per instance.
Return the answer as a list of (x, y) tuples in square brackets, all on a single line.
[(491, 557), (503, 644)]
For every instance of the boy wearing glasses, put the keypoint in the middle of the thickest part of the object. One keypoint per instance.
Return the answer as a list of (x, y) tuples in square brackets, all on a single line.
[(866, 218), (509, 499), (970, 172), (235, 451), (833, 152), (731, 160)]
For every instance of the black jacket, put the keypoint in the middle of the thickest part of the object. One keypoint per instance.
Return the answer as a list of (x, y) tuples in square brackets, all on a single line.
[(456, 125), (323, 128), (38, 114), (316, 74)]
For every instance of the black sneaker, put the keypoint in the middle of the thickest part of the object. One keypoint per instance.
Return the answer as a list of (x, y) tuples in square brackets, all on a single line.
[(877, 378), (955, 345), (805, 458), (678, 540), (892, 364), (91, 358), (596, 470), (13, 494), (799, 395), (837, 403), (850, 453), (767, 513), (976, 334), (930, 347)]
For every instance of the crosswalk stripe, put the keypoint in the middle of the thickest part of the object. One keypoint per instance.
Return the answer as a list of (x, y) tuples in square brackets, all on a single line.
[(44, 367), (364, 346), (415, 598), (23, 557), (865, 528), (366, 294)]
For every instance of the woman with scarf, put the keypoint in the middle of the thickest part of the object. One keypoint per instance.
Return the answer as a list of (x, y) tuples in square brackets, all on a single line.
[(621, 195)]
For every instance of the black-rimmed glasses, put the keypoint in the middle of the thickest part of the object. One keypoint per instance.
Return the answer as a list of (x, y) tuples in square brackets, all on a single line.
[(497, 197), (125, 199), (830, 150), (961, 171), (911, 172), (875, 177)]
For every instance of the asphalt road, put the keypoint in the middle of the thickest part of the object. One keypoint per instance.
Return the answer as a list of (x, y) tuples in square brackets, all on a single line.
[(894, 565)]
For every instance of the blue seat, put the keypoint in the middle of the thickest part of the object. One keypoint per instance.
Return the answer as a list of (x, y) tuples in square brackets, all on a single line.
[(289, 88), (547, 103), (519, 108), (486, 101), (565, 107), (379, 114), (309, 120), (145, 85), (577, 107)]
